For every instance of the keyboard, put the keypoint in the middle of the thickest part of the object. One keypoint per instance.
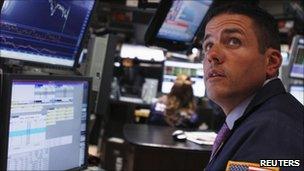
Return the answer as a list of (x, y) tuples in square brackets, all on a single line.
[(131, 99)]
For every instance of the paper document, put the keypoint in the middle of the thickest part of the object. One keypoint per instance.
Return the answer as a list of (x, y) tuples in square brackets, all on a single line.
[(206, 138)]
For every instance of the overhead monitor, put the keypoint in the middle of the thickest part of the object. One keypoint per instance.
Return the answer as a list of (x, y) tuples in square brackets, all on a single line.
[(176, 23), (297, 91), (195, 70), (141, 53), (297, 58), (44, 122), (48, 31)]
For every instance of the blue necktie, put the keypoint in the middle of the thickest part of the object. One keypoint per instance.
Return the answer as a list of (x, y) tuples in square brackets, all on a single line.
[(221, 136)]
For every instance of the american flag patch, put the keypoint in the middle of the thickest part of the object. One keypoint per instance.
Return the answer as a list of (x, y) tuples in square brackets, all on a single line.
[(247, 166)]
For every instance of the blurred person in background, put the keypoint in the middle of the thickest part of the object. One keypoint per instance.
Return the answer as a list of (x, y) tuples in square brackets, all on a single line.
[(177, 109)]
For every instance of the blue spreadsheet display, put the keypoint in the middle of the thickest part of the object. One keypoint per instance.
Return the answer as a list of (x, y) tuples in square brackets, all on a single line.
[(47, 125), (44, 31)]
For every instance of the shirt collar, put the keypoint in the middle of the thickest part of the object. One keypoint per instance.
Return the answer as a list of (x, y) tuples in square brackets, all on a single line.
[(239, 110), (268, 80)]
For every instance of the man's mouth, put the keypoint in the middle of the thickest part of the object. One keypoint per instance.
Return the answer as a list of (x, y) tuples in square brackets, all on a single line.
[(215, 74)]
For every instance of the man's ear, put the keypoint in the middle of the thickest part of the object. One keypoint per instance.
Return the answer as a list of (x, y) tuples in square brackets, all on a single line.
[(273, 62)]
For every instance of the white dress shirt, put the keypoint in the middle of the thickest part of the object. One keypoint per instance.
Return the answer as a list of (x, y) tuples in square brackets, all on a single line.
[(239, 110)]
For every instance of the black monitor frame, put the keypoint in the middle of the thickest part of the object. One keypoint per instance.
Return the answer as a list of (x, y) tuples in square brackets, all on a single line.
[(151, 38), (5, 104), (77, 56), (293, 55)]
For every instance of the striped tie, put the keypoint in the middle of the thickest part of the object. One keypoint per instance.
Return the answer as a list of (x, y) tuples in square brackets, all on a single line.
[(221, 136)]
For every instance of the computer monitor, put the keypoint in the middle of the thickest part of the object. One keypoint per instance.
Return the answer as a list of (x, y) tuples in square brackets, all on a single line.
[(176, 23), (194, 70), (44, 122), (132, 74), (48, 32), (297, 58), (297, 91), (142, 53)]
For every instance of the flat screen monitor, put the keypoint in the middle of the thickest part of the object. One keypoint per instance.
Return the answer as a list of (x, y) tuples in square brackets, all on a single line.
[(46, 122), (46, 31), (176, 23), (195, 70), (297, 91), (141, 53), (297, 58), (132, 74)]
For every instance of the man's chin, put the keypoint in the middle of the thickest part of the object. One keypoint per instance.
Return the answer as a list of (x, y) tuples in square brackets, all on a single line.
[(218, 95)]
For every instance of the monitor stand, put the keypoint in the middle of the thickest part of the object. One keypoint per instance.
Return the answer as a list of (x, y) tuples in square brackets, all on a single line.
[(31, 70), (21, 67)]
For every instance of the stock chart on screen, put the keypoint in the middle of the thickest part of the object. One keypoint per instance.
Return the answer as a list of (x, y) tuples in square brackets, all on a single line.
[(44, 31)]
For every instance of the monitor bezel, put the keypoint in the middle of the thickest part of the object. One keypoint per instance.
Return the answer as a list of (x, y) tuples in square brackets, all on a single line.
[(151, 38), (294, 50), (5, 103), (77, 56)]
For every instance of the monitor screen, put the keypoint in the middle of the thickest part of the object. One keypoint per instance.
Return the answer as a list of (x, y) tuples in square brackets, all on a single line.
[(297, 91), (194, 70), (47, 124), (297, 66), (132, 74), (176, 23), (141, 52), (183, 20), (46, 31)]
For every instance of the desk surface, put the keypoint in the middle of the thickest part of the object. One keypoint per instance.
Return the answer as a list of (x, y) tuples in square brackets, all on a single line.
[(131, 100), (158, 136)]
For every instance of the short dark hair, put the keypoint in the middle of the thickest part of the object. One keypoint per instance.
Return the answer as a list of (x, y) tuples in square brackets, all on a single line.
[(264, 23)]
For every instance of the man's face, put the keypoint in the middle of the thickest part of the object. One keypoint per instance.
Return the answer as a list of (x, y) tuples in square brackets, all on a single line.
[(233, 66)]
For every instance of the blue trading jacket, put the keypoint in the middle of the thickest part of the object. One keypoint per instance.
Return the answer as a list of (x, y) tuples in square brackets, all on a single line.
[(271, 128)]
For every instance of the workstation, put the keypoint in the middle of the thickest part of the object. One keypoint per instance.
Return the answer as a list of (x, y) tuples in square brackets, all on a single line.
[(82, 83)]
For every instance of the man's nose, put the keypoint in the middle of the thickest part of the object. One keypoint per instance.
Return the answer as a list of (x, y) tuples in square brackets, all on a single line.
[(214, 55)]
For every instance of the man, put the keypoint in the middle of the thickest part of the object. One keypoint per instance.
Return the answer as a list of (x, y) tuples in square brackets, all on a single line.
[(241, 61)]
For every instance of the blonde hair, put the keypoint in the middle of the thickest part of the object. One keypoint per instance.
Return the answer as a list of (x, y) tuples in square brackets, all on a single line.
[(180, 101), (183, 79)]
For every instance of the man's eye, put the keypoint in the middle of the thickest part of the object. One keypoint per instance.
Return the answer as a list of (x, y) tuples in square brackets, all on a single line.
[(234, 42), (207, 47)]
